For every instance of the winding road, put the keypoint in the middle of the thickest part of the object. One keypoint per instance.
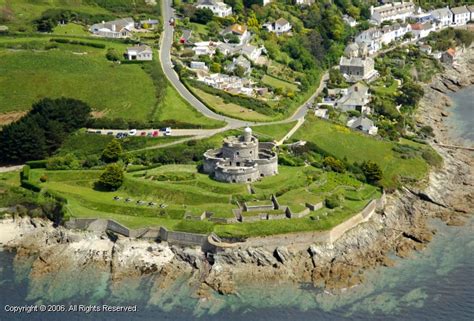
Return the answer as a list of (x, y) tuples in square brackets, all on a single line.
[(167, 66)]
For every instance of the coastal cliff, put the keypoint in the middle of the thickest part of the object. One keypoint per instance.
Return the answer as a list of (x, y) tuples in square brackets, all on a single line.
[(401, 227)]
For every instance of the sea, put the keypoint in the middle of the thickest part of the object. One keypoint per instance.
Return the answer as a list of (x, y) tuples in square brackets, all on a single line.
[(434, 284)]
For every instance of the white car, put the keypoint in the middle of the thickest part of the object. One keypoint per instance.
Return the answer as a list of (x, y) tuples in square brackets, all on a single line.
[(132, 132)]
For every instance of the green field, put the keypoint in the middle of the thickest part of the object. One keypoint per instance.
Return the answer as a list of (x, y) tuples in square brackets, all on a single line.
[(278, 83), (29, 73), (357, 147), (187, 192), (71, 29)]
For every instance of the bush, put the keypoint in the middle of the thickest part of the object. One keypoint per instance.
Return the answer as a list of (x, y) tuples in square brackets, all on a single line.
[(112, 177), (112, 152), (44, 178), (372, 171), (112, 55), (333, 201), (334, 164)]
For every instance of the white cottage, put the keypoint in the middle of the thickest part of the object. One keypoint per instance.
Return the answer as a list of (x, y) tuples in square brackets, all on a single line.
[(218, 8)]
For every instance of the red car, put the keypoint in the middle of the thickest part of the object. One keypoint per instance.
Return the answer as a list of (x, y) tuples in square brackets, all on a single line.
[(143, 134), (155, 133)]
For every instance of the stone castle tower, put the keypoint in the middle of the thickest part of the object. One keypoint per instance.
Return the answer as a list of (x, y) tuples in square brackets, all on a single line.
[(241, 159)]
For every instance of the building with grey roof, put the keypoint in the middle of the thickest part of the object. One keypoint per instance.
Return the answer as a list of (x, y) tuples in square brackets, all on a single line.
[(461, 15), (120, 28), (363, 124), (355, 69)]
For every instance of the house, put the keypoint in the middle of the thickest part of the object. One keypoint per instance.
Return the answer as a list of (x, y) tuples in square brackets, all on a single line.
[(204, 48), (149, 23), (238, 30), (394, 32), (120, 28), (198, 65), (461, 15), (3, 29), (355, 97), (363, 124), (242, 62), (443, 15), (140, 53), (372, 38), (449, 56), (186, 36), (392, 11), (250, 51), (356, 50), (218, 8), (279, 27), (349, 20), (422, 30), (471, 9), (426, 49), (304, 2), (321, 113), (355, 69)]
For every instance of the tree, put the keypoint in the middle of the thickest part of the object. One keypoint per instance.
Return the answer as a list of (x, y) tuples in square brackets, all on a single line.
[(213, 28), (112, 55), (112, 177), (112, 152), (334, 164), (215, 67), (202, 16), (372, 172), (411, 94), (239, 71)]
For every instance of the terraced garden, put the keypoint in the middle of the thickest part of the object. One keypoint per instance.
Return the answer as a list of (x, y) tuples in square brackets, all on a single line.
[(165, 195)]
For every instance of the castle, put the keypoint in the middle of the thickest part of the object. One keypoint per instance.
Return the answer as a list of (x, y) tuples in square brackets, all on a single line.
[(241, 159)]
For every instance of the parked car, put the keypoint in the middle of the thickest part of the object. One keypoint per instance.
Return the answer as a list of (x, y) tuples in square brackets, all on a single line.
[(143, 134), (98, 132), (150, 134), (110, 133), (132, 132), (155, 133), (119, 135)]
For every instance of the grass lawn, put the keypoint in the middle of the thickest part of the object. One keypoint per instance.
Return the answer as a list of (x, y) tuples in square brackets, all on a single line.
[(25, 11), (185, 191), (116, 90), (174, 107), (71, 29), (382, 89), (357, 147), (278, 83), (232, 110), (273, 132)]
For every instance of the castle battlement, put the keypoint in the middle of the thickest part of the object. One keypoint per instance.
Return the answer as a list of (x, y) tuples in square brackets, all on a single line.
[(241, 159)]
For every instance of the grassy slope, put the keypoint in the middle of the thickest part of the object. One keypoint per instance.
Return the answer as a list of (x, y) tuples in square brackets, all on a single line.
[(357, 147), (118, 90), (278, 83)]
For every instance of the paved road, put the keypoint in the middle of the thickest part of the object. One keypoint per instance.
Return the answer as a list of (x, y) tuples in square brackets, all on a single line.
[(165, 60)]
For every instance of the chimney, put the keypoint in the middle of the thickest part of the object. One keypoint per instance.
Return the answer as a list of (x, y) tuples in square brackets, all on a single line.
[(113, 27)]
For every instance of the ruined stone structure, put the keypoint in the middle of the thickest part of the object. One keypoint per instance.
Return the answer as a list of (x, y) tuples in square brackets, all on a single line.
[(241, 159)]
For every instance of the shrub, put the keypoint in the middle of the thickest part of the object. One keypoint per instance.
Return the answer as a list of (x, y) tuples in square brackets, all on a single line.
[(333, 201), (112, 152), (112, 177), (372, 171), (43, 178), (112, 55), (334, 164)]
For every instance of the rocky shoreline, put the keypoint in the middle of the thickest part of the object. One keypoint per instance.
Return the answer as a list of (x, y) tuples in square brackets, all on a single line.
[(400, 228)]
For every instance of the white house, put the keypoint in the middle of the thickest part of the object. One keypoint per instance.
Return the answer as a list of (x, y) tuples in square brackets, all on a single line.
[(349, 20), (279, 27), (218, 8), (394, 32), (461, 15), (140, 53), (204, 48), (120, 28), (198, 65), (372, 38), (238, 30), (355, 97), (251, 52), (363, 124), (443, 15), (392, 11), (422, 30), (304, 2), (471, 9)]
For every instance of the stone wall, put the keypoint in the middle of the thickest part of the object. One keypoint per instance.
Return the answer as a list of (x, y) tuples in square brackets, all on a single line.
[(314, 207)]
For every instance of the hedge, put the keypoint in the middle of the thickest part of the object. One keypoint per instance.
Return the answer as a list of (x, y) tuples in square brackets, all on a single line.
[(78, 42), (37, 164), (28, 185)]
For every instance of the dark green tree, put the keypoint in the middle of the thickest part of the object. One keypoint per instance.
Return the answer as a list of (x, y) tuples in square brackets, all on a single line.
[(202, 16), (334, 164), (112, 152), (372, 171), (112, 55), (112, 177)]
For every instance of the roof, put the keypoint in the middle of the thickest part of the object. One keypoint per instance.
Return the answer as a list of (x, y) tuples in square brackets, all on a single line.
[(3, 28), (281, 22), (362, 123), (150, 21), (471, 8), (451, 52), (236, 28), (140, 48), (354, 61), (119, 24), (441, 12), (357, 94), (460, 10), (187, 34), (248, 49)]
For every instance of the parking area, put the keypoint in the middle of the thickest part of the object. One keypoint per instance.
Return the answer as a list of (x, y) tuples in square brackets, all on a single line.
[(152, 133)]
